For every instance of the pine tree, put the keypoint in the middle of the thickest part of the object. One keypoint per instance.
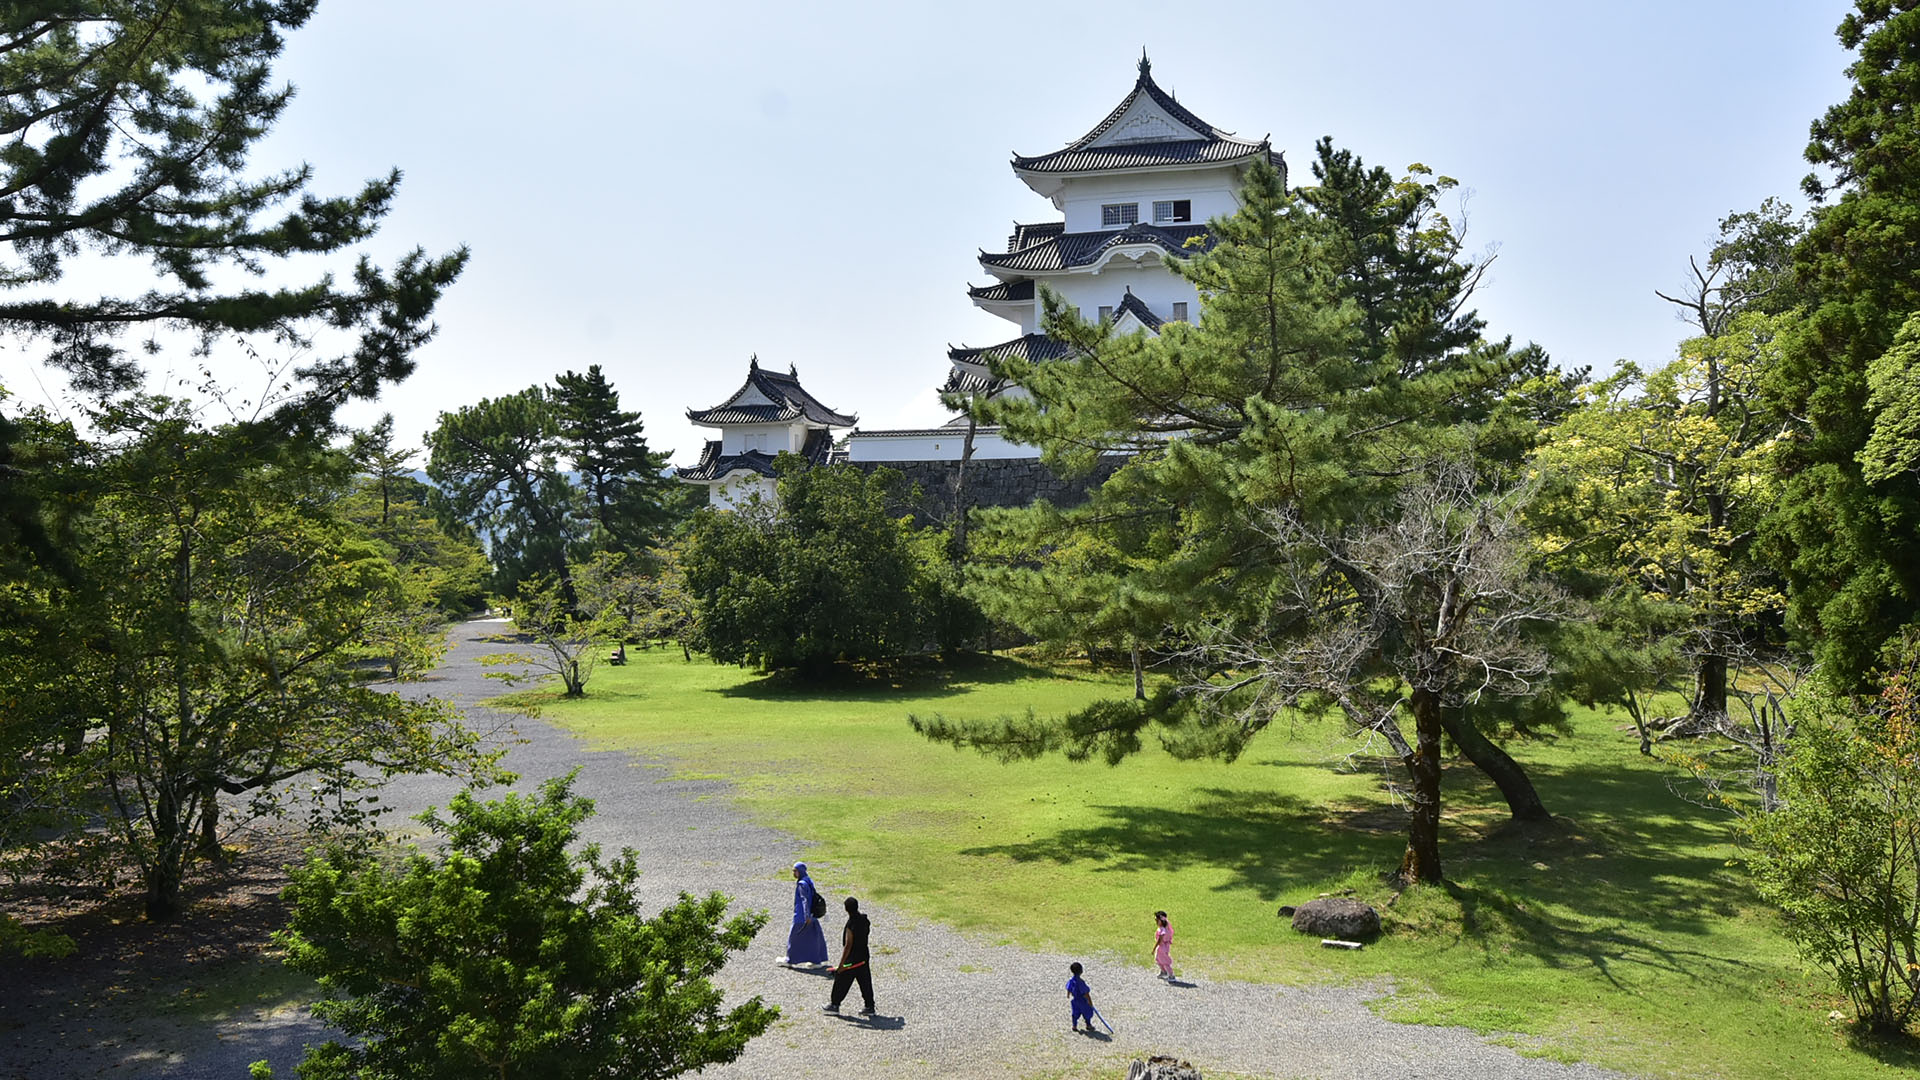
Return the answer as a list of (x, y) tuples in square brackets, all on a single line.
[(608, 449), (496, 465), (1334, 362), (127, 130)]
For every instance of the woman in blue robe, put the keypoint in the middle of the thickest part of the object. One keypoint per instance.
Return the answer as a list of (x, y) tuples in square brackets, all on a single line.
[(806, 942)]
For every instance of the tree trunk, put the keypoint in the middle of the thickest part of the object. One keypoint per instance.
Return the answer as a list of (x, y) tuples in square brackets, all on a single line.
[(209, 842), (1522, 800), (168, 865), (959, 545), (1421, 863), (1139, 677), (1710, 689)]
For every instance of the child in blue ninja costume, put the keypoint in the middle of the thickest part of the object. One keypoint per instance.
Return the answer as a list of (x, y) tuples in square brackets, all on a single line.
[(1082, 998)]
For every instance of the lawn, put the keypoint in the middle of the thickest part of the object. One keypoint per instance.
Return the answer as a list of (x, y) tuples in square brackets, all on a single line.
[(1626, 937)]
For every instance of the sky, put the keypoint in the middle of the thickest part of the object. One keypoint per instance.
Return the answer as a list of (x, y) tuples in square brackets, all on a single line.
[(666, 190)]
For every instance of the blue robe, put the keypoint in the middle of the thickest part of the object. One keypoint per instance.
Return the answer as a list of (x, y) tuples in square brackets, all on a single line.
[(806, 942)]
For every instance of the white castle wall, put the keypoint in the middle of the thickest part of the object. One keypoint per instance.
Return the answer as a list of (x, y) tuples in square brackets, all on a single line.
[(1212, 191)]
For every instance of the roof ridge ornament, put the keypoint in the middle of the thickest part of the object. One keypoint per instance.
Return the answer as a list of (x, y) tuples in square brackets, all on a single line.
[(753, 362), (1146, 65)]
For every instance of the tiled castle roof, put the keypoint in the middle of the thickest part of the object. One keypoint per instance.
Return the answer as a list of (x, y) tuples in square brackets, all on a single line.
[(1206, 145), (785, 401), (713, 465), (1066, 250), (1024, 236), (1132, 303), (969, 374), (1004, 291)]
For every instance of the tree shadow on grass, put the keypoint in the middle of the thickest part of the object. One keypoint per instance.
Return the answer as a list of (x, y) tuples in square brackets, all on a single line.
[(1625, 870), (1626, 896), (1900, 1051), (919, 676), (1269, 842)]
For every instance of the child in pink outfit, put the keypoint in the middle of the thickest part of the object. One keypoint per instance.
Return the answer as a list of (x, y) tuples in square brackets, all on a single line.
[(1163, 945)]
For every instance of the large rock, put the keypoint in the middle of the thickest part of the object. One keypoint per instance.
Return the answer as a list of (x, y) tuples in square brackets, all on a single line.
[(1337, 917), (1159, 1067)]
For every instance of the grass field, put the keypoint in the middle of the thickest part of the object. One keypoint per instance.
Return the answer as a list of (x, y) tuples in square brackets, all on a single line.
[(1626, 937)]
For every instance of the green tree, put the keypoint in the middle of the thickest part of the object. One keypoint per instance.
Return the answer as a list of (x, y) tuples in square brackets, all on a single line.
[(1335, 356), (209, 638), (511, 952), (566, 637), (127, 132), (834, 575), (1657, 486), (670, 609), (625, 484), (1845, 534), (1840, 856), (386, 466), (496, 465), (1434, 610)]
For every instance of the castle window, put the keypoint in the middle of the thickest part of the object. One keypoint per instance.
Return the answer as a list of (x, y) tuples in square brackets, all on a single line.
[(1173, 210), (1125, 213), (1179, 311), (1106, 312)]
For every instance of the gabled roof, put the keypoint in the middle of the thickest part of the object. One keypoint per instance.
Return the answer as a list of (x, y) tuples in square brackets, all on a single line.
[(713, 465), (1069, 250), (770, 398), (1148, 128), (1005, 292), (1131, 304), (1024, 236)]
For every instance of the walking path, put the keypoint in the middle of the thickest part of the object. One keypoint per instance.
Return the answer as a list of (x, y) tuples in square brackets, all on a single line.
[(950, 1005)]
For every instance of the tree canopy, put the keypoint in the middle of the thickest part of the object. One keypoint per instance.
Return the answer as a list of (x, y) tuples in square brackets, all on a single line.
[(836, 573), (128, 129), (1846, 530)]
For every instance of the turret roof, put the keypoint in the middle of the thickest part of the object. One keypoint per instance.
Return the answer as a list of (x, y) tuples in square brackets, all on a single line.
[(1160, 132), (782, 400)]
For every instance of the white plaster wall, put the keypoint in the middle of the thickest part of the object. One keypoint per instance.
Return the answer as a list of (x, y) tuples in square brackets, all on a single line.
[(1155, 285), (943, 445), (766, 438), (1213, 192)]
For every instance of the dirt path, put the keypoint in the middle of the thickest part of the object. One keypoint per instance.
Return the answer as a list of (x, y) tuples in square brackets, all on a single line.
[(949, 1004)]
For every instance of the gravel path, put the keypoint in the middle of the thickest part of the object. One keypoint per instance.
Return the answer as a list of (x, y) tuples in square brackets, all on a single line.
[(949, 1004)]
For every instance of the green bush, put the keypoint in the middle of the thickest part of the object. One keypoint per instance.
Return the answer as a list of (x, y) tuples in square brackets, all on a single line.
[(509, 956), (1841, 857)]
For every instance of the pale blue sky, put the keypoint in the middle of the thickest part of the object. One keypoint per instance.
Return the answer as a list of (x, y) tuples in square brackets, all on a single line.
[(664, 190)]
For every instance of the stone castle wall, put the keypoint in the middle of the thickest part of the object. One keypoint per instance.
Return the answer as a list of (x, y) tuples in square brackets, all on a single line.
[(990, 482)]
